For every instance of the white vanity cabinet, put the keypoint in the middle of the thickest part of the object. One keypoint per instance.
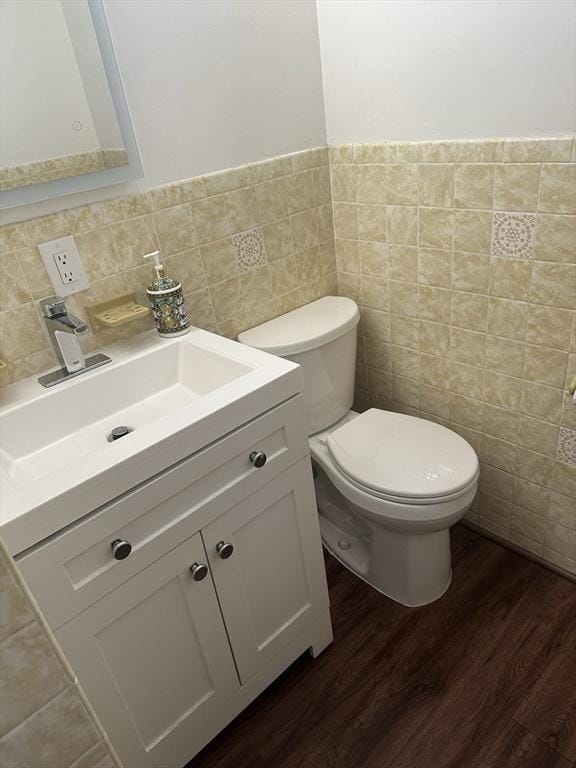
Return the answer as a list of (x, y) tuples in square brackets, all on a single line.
[(154, 660), (223, 587)]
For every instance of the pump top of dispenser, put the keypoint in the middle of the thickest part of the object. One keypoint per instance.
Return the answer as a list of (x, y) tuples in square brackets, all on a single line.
[(161, 284)]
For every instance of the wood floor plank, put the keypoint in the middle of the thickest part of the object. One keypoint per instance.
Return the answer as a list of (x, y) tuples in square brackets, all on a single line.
[(499, 671), (432, 687), (386, 693), (549, 708), (519, 748), (487, 573), (397, 699)]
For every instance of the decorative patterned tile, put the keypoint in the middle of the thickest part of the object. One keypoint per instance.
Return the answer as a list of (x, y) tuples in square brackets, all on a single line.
[(566, 450), (250, 251), (513, 235)]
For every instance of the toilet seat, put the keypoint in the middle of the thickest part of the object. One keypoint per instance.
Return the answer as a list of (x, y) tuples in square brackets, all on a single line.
[(402, 458), (407, 500), (404, 514)]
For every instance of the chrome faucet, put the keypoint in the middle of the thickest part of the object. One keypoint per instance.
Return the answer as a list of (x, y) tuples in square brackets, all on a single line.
[(63, 329)]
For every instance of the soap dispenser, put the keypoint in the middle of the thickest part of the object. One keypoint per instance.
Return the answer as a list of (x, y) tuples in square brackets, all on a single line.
[(167, 301)]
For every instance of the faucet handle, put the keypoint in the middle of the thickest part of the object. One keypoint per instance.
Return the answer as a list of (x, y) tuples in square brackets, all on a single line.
[(53, 306)]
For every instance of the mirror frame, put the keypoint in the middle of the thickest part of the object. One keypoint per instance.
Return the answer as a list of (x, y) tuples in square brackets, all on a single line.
[(133, 170)]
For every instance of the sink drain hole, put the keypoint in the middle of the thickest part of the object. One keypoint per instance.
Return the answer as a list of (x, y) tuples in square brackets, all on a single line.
[(119, 432)]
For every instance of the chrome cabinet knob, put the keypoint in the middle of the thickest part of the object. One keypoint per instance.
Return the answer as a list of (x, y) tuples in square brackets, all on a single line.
[(258, 458), (199, 571), (121, 549), (224, 549)]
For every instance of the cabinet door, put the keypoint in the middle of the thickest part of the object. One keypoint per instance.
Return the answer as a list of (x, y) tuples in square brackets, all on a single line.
[(154, 660), (273, 583)]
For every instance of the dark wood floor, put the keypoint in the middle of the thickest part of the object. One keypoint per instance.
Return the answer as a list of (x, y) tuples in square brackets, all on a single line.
[(483, 678)]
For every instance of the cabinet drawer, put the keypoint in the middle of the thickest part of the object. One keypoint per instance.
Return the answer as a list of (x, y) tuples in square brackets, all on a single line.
[(77, 567)]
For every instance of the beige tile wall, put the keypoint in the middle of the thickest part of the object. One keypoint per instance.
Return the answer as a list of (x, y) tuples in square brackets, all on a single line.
[(473, 331), (478, 336), (43, 720), (285, 202), (450, 331)]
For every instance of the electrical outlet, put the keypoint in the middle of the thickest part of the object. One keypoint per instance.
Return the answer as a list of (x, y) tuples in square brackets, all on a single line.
[(64, 266)]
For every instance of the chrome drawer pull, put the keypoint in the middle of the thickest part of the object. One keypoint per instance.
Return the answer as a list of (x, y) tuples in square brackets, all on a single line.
[(258, 458), (121, 549)]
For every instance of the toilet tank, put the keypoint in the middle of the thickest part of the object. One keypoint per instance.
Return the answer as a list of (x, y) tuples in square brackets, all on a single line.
[(321, 338)]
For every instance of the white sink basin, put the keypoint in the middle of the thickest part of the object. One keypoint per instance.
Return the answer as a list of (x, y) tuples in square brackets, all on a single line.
[(177, 395), (43, 435)]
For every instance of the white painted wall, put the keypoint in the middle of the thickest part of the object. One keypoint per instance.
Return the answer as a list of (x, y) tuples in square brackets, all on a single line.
[(434, 69), (40, 86), (211, 84)]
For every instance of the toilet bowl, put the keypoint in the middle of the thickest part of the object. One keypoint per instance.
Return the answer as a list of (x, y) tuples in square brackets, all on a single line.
[(388, 485), (397, 542)]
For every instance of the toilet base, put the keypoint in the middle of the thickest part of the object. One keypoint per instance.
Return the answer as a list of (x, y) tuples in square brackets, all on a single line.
[(412, 568), (353, 560)]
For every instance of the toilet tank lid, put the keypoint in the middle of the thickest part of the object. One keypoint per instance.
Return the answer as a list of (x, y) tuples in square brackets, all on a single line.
[(305, 328)]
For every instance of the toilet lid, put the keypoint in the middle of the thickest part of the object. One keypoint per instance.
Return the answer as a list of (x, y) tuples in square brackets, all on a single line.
[(402, 455)]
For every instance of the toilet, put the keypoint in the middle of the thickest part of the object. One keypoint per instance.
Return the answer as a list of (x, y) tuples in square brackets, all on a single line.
[(388, 485)]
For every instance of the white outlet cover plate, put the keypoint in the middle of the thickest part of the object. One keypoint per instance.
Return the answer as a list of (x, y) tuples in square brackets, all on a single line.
[(65, 247)]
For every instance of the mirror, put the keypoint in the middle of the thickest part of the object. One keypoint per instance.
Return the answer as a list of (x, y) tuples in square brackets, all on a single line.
[(64, 124)]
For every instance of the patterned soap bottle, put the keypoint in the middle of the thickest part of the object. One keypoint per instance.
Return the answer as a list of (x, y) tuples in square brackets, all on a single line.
[(167, 301)]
